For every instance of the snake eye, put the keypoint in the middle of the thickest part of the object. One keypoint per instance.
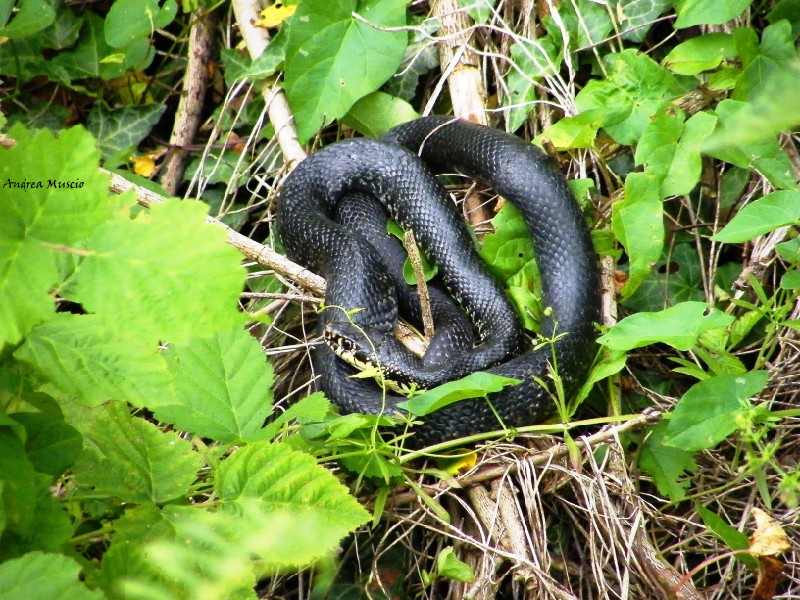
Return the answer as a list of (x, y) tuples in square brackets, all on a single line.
[(347, 345)]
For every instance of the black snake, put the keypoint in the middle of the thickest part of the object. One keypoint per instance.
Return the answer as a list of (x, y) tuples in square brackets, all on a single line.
[(390, 170)]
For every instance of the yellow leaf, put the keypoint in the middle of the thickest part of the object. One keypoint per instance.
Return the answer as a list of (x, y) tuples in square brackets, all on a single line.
[(145, 165), (274, 15), (461, 464), (769, 538)]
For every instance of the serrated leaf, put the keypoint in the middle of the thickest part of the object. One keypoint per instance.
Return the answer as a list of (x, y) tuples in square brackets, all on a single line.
[(708, 12), (292, 482), (766, 214), (475, 385), (333, 59), (223, 386), (43, 576), (666, 465), (706, 414), (38, 222), (678, 326), (171, 270), (376, 113), (120, 130), (158, 466), (79, 354), (128, 20), (51, 444), (638, 223), (700, 53)]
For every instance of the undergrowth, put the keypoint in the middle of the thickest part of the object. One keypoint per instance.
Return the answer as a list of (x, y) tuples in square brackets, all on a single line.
[(159, 432)]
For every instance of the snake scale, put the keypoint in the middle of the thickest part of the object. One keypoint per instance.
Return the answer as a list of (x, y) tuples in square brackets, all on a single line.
[(399, 171)]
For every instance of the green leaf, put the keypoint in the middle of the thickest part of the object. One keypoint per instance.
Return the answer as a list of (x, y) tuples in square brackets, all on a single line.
[(789, 250), (314, 407), (19, 486), (333, 59), (531, 60), (157, 466), (733, 538), (40, 576), (419, 59), (285, 480), (701, 53), (706, 414), (31, 17), (790, 280), (81, 356), (762, 216), (773, 62), (128, 20), (87, 59), (64, 30), (678, 326), (51, 444), (638, 223), (475, 385), (40, 223), (635, 17), (222, 384), (665, 464), (448, 565), (574, 132), (480, 10), (585, 22), (119, 130), (162, 266), (788, 10), (636, 89), (376, 113), (708, 12)]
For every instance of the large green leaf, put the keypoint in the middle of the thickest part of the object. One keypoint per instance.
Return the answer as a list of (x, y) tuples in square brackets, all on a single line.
[(708, 12), (82, 356), (707, 412), (40, 576), (678, 326), (172, 271), (41, 222), (334, 58), (762, 216), (130, 459), (128, 20), (30, 17), (474, 385), (223, 386)]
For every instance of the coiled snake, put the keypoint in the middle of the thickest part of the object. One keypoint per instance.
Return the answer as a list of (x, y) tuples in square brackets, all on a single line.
[(390, 170)]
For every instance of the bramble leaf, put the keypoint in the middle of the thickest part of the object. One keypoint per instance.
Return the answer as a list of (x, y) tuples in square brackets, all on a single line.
[(223, 386), (156, 466), (40, 576), (665, 464)]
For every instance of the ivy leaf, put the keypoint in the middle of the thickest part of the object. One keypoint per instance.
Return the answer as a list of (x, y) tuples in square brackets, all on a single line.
[(80, 355), (677, 277), (119, 130), (762, 216), (706, 414), (666, 464), (86, 60), (333, 59), (475, 385), (39, 223), (638, 223), (222, 385), (158, 466), (151, 265), (40, 576), (288, 481), (708, 12), (678, 326), (64, 30), (376, 113), (701, 53)]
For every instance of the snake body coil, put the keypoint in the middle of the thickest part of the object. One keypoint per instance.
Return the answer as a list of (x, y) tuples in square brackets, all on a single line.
[(390, 170)]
